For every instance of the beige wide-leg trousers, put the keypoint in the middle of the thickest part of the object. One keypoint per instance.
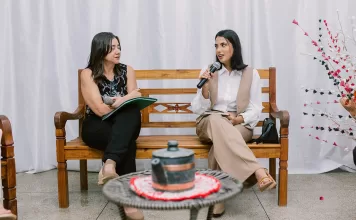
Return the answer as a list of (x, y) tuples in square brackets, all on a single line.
[(229, 151)]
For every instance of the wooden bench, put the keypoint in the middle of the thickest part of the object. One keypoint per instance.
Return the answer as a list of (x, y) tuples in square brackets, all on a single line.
[(8, 168), (77, 150)]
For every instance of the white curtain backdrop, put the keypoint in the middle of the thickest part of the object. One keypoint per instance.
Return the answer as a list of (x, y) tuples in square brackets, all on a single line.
[(44, 42)]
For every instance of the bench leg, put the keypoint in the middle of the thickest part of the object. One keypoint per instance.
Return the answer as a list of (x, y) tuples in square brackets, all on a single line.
[(9, 186), (11, 205), (283, 183), (63, 196), (83, 175), (272, 167)]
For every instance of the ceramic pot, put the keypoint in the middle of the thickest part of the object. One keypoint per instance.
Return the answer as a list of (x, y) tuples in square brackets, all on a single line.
[(173, 169)]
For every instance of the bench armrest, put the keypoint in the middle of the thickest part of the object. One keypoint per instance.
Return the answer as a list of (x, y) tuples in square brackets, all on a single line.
[(61, 118), (5, 126), (282, 115)]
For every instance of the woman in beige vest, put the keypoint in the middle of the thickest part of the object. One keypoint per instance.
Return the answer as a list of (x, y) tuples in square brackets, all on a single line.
[(230, 106)]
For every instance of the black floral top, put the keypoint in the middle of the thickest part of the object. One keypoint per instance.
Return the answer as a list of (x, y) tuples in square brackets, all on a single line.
[(116, 87)]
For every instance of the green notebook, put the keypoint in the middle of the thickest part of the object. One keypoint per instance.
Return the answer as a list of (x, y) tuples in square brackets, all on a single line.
[(141, 102)]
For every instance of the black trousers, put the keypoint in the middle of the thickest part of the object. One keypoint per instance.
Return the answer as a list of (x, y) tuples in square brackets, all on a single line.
[(116, 136), (354, 154)]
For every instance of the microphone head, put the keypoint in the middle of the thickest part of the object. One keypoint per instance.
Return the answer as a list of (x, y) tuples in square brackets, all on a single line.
[(215, 66)]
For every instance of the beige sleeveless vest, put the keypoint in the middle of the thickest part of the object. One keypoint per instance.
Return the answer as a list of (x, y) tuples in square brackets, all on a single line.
[(243, 93)]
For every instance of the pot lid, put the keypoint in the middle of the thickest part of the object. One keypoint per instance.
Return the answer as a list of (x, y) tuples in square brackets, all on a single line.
[(172, 151)]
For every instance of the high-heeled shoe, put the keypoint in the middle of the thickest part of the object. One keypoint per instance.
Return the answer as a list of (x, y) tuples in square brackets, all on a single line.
[(262, 185), (104, 177), (272, 186)]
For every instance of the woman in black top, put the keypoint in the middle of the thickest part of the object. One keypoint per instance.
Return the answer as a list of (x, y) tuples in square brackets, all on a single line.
[(106, 77)]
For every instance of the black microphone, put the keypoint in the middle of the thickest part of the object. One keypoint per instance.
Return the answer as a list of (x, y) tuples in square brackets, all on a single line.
[(213, 68)]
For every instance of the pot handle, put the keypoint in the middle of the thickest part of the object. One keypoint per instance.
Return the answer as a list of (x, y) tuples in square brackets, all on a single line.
[(172, 146), (158, 171)]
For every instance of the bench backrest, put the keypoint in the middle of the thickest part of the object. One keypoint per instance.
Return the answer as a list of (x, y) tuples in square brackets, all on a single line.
[(183, 107)]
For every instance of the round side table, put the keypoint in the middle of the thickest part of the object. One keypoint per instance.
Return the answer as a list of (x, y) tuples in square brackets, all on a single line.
[(118, 191)]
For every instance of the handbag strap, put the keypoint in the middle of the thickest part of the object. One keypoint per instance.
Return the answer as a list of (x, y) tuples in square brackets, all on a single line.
[(263, 135)]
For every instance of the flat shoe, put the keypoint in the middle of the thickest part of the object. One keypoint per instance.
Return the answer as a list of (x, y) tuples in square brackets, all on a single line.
[(104, 179)]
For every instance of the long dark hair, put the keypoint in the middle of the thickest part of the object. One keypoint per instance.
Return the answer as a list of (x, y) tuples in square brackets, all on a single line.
[(100, 47), (237, 62)]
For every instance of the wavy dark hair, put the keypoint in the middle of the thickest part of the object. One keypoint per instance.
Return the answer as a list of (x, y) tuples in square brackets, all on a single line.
[(237, 62), (100, 47)]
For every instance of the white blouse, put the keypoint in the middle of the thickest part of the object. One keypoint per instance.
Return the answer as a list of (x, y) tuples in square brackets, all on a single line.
[(228, 86)]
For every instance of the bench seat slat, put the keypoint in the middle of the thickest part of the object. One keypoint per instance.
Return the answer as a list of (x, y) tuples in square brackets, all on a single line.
[(76, 149), (160, 141)]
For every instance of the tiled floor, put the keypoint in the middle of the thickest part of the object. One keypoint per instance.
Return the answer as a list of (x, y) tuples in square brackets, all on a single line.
[(37, 199)]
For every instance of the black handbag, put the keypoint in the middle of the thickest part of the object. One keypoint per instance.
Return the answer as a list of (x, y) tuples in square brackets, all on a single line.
[(269, 133)]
